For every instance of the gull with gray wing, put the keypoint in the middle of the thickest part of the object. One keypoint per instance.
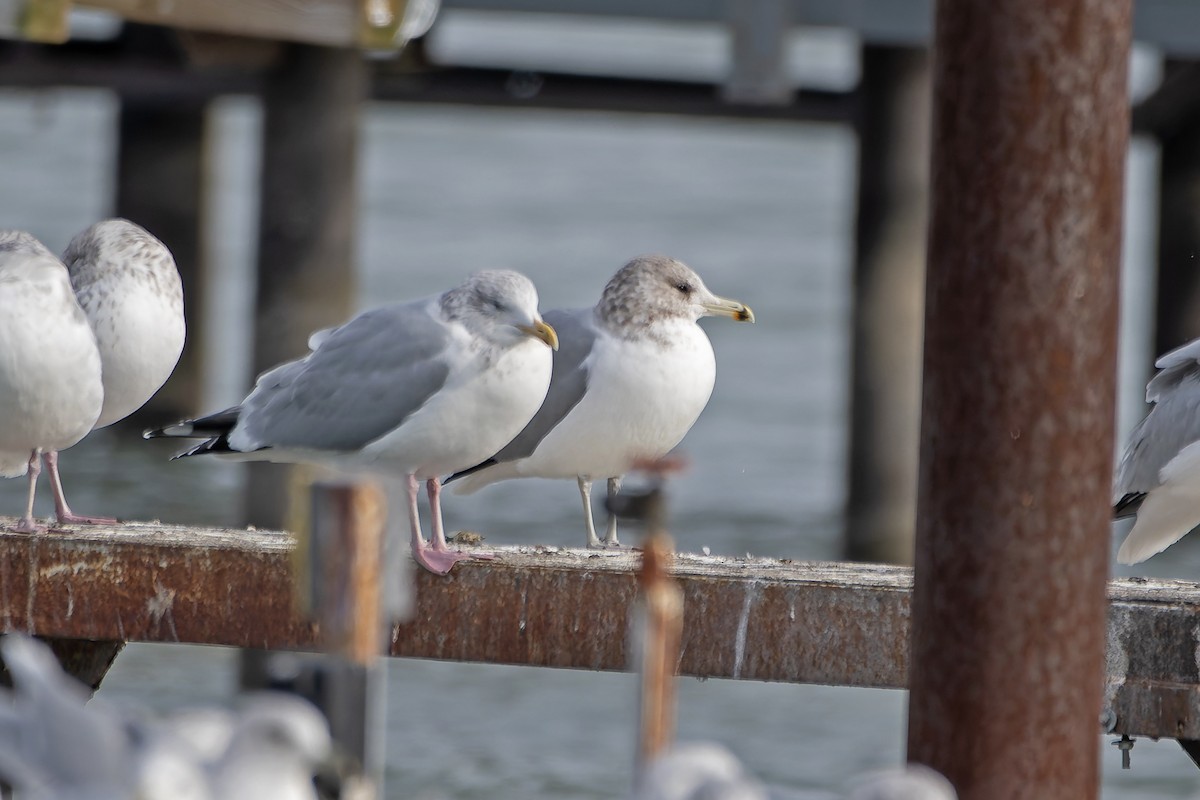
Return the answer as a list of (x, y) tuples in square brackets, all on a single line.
[(631, 377), (416, 390), (1158, 477)]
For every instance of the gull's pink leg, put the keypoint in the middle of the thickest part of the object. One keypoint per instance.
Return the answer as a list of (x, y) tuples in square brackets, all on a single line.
[(436, 562), (62, 511), (28, 524), (437, 557)]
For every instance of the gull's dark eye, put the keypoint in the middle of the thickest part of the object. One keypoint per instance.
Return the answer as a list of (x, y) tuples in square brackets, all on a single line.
[(684, 288)]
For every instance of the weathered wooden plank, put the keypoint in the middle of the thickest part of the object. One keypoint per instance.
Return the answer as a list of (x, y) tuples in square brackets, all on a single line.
[(753, 619)]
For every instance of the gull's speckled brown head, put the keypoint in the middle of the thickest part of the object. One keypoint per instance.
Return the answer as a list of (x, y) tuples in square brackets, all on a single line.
[(650, 290)]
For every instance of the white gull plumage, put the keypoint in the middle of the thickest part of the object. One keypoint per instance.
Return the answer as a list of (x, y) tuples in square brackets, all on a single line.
[(55, 744), (631, 377), (416, 390), (1158, 477), (126, 282), (50, 381)]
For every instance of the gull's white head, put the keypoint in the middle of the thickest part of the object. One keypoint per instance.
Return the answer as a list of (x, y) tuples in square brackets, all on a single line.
[(120, 248), (500, 304), (22, 254), (651, 289)]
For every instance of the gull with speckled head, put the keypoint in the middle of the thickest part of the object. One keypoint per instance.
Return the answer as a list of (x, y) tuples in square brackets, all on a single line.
[(51, 390), (1158, 477), (417, 390), (631, 377), (126, 282)]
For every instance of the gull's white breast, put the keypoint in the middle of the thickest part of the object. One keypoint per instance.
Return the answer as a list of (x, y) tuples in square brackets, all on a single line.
[(473, 415), (50, 388), (641, 400), (140, 333)]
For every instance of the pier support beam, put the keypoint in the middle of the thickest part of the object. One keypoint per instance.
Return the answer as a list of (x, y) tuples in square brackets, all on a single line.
[(1030, 128), (311, 101), (889, 298), (1177, 317), (161, 184)]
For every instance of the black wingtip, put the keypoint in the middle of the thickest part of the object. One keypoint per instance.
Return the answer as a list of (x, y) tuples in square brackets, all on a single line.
[(471, 470), (1128, 505), (217, 444)]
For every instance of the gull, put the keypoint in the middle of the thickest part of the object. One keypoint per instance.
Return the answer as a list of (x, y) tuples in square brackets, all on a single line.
[(417, 390), (631, 377), (1158, 477), (55, 744), (126, 282), (697, 771), (51, 389), (277, 742), (911, 782)]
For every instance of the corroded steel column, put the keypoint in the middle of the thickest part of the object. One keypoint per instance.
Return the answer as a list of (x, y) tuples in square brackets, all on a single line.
[(1031, 123)]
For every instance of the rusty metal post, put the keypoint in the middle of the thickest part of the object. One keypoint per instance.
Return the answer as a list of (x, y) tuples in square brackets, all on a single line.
[(346, 546), (337, 568), (1031, 123), (660, 628)]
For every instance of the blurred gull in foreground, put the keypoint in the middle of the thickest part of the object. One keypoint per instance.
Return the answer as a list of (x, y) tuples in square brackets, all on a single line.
[(126, 282), (1158, 477), (697, 771), (54, 747), (50, 382), (632, 376), (912, 782), (418, 390)]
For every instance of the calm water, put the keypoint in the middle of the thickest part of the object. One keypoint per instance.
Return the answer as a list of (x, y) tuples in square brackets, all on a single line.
[(762, 211)]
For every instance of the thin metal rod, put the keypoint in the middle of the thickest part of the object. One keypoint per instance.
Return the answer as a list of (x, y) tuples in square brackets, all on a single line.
[(1031, 124)]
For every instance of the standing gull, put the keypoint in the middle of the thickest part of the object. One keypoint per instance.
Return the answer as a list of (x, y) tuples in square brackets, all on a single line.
[(128, 286), (1158, 477), (631, 378), (50, 383), (417, 390)]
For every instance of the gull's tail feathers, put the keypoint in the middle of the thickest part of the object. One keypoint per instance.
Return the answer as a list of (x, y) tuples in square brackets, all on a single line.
[(1168, 512), (474, 478), (214, 429)]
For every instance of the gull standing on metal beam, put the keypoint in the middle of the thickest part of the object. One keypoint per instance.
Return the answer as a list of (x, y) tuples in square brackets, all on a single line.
[(127, 284), (417, 390), (50, 383), (1158, 477), (633, 375)]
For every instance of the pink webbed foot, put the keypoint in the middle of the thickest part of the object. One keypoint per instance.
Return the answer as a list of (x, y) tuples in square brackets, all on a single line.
[(28, 525)]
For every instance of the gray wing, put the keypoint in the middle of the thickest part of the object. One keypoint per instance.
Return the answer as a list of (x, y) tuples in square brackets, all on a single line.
[(363, 380), (1171, 425), (1176, 366), (568, 383)]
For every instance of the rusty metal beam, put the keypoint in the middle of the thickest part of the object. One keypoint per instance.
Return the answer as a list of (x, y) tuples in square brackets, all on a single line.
[(1030, 127), (760, 619)]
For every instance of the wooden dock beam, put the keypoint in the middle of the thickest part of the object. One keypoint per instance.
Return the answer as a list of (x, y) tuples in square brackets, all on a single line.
[(749, 619)]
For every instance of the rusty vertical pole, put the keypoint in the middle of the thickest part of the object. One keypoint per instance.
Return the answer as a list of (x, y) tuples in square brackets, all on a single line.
[(1031, 123)]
